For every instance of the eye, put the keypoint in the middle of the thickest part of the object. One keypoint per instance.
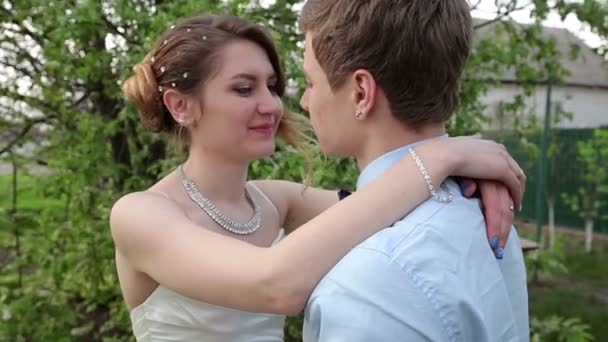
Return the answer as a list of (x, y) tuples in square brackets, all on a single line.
[(244, 90), (274, 88)]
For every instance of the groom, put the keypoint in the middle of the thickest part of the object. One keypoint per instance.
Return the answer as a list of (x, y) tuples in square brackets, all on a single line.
[(382, 77)]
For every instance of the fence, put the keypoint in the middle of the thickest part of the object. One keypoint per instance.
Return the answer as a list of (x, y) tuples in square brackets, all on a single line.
[(563, 175)]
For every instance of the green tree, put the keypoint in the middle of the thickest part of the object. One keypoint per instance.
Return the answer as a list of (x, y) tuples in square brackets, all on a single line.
[(588, 201)]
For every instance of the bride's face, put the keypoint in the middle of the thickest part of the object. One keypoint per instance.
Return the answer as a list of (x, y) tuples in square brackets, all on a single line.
[(240, 109)]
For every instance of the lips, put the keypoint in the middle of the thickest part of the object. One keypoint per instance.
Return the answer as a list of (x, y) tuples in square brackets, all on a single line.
[(265, 129), (263, 126)]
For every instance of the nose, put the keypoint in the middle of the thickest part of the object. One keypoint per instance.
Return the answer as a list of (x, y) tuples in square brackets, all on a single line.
[(270, 104), (304, 100)]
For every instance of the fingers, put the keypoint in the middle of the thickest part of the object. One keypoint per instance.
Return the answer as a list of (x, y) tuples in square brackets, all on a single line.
[(499, 216), (507, 219), (514, 187), (467, 186), (522, 179), (515, 180), (485, 159), (491, 212)]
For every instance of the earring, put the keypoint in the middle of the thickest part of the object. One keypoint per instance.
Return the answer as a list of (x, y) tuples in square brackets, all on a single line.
[(359, 115)]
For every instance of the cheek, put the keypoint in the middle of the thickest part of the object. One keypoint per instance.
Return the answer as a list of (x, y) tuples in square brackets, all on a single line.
[(315, 105), (277, 122), (223, 124), (281, 111)]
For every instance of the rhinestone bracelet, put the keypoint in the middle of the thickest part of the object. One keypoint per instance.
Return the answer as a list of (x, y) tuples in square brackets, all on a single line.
[(427, 178)]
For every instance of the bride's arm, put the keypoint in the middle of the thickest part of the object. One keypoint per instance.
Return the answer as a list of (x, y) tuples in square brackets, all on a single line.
[(156, 238), (298, 204)]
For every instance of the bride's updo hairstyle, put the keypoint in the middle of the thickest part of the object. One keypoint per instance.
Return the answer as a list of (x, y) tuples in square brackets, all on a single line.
[(186, 56)]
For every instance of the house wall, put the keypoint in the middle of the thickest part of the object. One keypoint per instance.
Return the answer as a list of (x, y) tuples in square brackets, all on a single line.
[(588, 106)]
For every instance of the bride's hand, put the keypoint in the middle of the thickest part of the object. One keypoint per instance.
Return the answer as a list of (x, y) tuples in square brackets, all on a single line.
[(484, 159)]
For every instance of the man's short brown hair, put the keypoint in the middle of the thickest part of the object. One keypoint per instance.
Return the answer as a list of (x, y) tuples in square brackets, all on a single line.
[(415, 49)]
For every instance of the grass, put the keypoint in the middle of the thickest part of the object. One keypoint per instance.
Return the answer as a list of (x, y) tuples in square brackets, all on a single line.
[(29, 203), (568, 301), (592, 267), (28, 197), (582, 292)]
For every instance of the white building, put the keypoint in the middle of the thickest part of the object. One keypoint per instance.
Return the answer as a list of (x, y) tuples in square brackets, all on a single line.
[(584, 93)]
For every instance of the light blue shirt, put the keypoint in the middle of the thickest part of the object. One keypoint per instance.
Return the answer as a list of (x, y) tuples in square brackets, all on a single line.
[(430, 277)]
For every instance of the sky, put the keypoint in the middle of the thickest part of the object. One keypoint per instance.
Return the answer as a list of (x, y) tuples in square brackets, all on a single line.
[(487, 10)]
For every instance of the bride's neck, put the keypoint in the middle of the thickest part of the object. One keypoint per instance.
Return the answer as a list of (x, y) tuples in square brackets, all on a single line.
[(218, 178)]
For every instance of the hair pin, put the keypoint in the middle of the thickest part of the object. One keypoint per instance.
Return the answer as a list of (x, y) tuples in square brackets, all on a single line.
[(185, 75), (162, 69)]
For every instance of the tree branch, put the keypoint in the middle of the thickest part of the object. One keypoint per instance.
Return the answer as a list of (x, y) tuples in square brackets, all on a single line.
[(78, 102), (476, 5), (114, 29), (23, 30), (18, 51), (500, 16), (29, 100), (23, 71), (24, 131)]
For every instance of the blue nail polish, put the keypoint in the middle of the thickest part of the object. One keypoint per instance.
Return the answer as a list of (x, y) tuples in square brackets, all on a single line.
[(495, 242), (500, 253), (466, 188)]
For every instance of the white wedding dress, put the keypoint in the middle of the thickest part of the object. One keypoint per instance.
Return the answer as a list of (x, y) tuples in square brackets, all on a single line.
[(168, 316)]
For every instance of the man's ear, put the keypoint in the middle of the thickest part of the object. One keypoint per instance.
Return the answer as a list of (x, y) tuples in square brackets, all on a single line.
[(364, 92)]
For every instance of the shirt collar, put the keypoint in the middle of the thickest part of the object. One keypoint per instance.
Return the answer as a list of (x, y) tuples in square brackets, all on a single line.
[(381, 164)]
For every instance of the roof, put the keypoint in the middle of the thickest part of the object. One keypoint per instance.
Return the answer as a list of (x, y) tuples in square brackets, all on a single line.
[(589, 68)]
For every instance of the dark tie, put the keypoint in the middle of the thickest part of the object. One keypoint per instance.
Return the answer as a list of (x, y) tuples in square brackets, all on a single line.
[(342, 194)]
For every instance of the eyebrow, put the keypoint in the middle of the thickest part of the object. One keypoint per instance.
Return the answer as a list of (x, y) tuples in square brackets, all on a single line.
[(252, 77)]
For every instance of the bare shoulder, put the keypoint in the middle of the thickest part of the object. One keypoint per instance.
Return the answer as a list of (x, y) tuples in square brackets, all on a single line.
[(141, 218)]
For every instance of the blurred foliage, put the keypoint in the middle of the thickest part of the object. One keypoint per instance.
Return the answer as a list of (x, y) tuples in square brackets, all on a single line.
[(559, 329), (593, 158), (547, 263)]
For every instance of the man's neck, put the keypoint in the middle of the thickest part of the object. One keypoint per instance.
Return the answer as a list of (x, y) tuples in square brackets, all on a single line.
[(384, 140)]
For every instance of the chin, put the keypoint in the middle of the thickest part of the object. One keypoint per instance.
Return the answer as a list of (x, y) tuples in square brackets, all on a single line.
[(327, 148), (334, 149), (263, 150)]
